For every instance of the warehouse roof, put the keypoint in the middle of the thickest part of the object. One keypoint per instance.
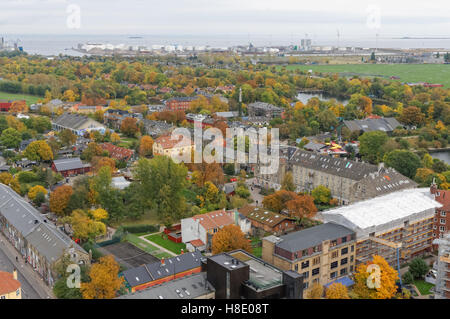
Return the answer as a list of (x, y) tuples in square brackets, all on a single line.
[(387, 124), (384, 212), (68, 164)]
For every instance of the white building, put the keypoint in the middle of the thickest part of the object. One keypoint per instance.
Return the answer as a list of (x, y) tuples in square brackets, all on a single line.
[(443, 268)]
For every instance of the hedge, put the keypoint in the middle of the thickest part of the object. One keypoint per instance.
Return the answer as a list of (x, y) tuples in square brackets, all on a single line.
[(141, 228)]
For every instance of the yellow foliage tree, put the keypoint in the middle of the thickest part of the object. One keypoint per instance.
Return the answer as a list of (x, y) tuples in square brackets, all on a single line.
[(104, 281), (59, 199), (315, 292), (99, 214), (115, 138), (230, 238), (38, 151), (32, 193), (376, 282), (6, 178), (146, 146), (337, 291)]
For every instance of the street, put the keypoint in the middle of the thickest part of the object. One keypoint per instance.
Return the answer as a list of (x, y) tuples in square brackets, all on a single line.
[(8, 265)]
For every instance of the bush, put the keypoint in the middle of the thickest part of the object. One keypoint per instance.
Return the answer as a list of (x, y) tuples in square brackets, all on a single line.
[(418, 268), (27, 177), (408, 278), (141, 228)]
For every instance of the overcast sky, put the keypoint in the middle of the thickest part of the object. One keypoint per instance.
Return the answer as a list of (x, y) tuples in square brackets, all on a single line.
[(232, 17)]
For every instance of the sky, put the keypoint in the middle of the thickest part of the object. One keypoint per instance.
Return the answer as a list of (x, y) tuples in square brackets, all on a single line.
[(319, 18)]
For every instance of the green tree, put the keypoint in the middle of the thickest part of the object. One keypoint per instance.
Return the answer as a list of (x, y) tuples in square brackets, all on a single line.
[(11, 138), (408, 278), (418, 268), (321, 194), (371, 146), (288, 182), (404, 162)]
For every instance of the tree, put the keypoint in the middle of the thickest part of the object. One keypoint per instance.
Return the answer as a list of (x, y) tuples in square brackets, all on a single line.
[(277, 201), (99, 214), (418, 268), (59, 199), (302, 207), (115, 138), (404, 162), (337, 291), (99, 162), (146, 146), (38, 151), (229, 238), (408, 278), (6, 178), (207, 172), (129, 126), (35, 190), (315, 292), (11, 138), (83, 226), (67, 138), (19, 107), (387, 280), (104, 280), (412, 115), (288, 182), (371, 145), (321, 194), (92, 150)]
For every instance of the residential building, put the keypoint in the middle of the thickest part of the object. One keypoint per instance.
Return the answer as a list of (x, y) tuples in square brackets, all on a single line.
[(157, 128), (77, 123), (193, 286), (114, 117), (240, 275), (179, 103), (442, 214), (264, 109), (384, 124), (34, 237), (5, 105), (402, 219), (156, 273), (322, 254), (349, 181), (197, 231), (70, 167), (86, 109), (117, 152), (165, 145), (263, 220), (442, 287), (10, 287)]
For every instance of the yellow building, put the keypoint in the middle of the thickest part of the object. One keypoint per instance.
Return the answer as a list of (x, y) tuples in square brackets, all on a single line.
[(10, 287), (167, 146)]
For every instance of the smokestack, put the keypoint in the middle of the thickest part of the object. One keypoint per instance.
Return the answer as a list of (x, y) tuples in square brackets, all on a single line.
[(15, 274), (162, 261)]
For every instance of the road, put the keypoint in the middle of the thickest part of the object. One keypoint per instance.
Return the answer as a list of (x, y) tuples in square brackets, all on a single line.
[(6, 264)]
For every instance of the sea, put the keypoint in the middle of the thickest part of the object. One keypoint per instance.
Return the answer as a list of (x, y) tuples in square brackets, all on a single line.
[(51, 45)]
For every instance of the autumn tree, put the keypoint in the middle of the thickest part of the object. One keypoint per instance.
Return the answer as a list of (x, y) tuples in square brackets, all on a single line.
[(104, 280), (337, 291), (412, 115), (92, 150), (229, 238), (18, 107), (207, 172), (98, 162), (302, 207), (35, 190), (129, 126), (59, 199), (38, 151), (315, 292), (67, 138), (146, 146), (277, 201), (83, 226), (321, 194), (288, 182), (382, 281), (6, 178), (115, 138), (99, 214)]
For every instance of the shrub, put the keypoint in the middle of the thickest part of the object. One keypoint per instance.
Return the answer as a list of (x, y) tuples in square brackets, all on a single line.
[(141, 228)]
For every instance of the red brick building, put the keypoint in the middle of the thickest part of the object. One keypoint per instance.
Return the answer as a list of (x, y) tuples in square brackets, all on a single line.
[(179, 103), (117, 152), (70, 167), (441, 219)]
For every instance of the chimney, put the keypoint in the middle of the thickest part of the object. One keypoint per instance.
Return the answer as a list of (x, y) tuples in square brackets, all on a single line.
[(433, 187), (162, 261), (15, 274)]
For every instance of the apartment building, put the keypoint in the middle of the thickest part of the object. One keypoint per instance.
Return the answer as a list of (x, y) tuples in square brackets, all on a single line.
[(10, 287), (165, 145), (323, 253), (263, 220), (401, 220), (443, 268), (441, 218)]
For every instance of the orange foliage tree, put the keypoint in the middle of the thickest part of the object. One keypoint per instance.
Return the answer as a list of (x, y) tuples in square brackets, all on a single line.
[(129, 126), (382, 281), (278, 200), (146, 146), (302, 207), (104, 280), (229, 238), (337, 291), (59, 199), (98, 162), (208, 172)]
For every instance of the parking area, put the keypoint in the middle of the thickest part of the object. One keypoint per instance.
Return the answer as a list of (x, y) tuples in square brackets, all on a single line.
[(128, 255)]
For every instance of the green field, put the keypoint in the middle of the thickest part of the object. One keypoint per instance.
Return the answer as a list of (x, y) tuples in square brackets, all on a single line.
[(31, 99), (166, 243), (423, 286), (431, 73)]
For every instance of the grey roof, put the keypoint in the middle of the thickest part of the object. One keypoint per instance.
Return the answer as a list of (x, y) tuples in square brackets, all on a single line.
[(190, 287), (313, 236), (264, 106), (154, 271), (68, 164), (314, 146), (227, 114), (332, 165), (157, 128), (38, 231), (387, 124), (74, 121)]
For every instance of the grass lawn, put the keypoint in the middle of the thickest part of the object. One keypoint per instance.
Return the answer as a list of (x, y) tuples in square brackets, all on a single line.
[(163, 255), (257, 251), (149, 218), (432, 73), (423, 286), (166, 243), (31, 99), (142, 244)]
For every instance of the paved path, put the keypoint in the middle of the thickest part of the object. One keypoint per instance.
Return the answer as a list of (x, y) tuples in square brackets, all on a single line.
[(255, 193), (32, 285), (157, 246)]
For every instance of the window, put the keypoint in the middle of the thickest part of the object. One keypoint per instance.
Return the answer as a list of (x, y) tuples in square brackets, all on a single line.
[(305, 264), (334, 264), (316, 261), (344, 261), (351, 268), (306, 275), (315, 271), (344, 239), (305, 285), (443, 214), (333, 274), (343, 271), (335, 254), (441, 228), (351, 259), (344, 251), (333, 243), (352, 249), (442, 221), (305, 252), (296, 267)]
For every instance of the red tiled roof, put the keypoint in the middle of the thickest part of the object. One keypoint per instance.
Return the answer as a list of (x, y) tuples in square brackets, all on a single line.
[(197, 243), (117, 152), (7, 283), (166, 142), (215, 219)]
